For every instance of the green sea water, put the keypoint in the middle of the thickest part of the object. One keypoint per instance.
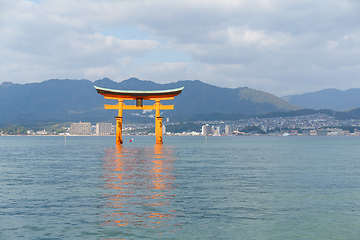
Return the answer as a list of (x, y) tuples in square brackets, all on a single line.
[(297, 187)]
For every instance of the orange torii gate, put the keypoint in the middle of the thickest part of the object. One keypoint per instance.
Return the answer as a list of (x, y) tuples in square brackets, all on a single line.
[(139, 96)]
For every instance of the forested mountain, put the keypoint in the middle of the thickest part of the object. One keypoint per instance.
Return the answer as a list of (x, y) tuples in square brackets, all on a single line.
[(328, 98), (75, 100)]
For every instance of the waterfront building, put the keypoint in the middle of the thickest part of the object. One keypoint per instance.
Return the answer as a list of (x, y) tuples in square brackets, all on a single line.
[(42, 132), (30, 132), (333, 132), (206, 130), (164, 129), (80, 128), (212, 129), (219, 130), (103, 128), (228, 129), (339, 133)]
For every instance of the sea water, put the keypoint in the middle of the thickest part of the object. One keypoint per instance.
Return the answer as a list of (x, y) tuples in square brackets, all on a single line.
[(301, 187)]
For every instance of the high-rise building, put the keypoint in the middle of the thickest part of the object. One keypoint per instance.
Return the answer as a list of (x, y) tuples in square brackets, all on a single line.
[(219, 130), (228, 129), (80, 128), (103, 128), (206, 130), (164, 129), (213, 130)]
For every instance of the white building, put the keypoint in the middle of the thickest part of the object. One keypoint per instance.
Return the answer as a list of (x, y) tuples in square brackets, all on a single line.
[(42, 132), (103, 128), (228, 129), (213, 130), (163, 129), (30, 132), (219, 130), (313, 132), (80, 128), (206, 130)]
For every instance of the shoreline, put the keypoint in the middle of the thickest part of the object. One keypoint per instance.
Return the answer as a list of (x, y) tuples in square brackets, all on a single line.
[(174, 135)]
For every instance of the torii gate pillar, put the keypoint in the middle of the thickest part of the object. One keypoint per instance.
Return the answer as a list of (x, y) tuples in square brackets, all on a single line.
[(139, 96), (158, 123), (158, 130), (119, 139), (119, 130)]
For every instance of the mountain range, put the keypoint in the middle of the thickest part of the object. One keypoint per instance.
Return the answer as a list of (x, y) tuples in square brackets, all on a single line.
[(327, 99), (77, 100)]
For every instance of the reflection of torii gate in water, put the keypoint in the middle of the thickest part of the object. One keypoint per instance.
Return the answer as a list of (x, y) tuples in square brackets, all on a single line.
[(139, 96)]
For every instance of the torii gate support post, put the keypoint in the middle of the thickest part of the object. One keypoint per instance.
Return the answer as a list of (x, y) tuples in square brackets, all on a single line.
[(119, 130), (158, 123), (158, 130), (119, 139)]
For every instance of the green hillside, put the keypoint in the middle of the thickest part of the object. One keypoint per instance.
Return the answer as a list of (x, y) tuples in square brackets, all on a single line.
[(74, 100)]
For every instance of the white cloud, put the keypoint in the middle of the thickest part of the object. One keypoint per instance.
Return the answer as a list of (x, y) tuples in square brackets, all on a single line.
[(164, 72), (97, 44), (278, 46), (100, 72)]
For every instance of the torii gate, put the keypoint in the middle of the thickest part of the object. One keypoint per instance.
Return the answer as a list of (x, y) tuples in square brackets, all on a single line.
[(139, 96)]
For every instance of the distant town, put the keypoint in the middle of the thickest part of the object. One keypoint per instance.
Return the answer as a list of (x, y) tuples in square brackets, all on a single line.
[(316, 124)]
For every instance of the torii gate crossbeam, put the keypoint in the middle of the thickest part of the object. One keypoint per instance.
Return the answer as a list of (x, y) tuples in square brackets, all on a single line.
[(139, 96)]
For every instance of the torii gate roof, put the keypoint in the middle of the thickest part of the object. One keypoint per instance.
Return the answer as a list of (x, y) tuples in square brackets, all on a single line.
[(132, 94)]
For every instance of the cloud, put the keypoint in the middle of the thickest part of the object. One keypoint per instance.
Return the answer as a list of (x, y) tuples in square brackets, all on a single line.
[(283, 47), (165, 71)]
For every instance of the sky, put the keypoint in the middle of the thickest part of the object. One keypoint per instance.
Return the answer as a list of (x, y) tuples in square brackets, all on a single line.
[(279, 46)]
